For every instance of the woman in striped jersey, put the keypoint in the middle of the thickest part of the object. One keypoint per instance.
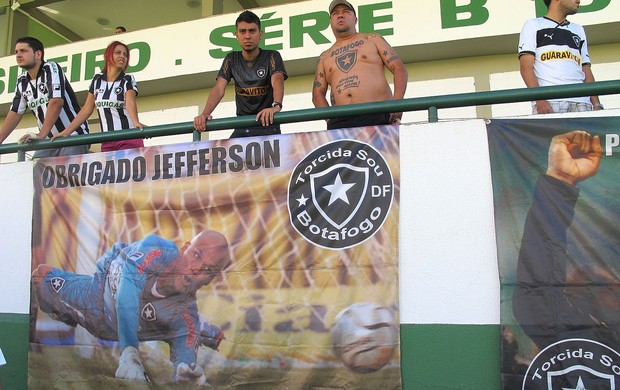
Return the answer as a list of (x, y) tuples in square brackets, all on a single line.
[(114, 93)]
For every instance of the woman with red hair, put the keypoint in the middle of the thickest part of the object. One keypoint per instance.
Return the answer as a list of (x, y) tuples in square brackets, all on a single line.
[(114, 93)]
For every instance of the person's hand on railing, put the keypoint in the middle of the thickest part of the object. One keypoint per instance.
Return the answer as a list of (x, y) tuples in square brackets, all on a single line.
[(27, 138), (543, 107), (200, 122), (63, 133)]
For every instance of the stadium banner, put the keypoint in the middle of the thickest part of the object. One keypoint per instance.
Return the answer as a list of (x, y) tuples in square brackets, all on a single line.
[(557, 206), (269, 262)]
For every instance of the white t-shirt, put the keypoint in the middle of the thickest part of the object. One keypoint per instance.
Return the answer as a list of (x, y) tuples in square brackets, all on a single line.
[(560, 49)]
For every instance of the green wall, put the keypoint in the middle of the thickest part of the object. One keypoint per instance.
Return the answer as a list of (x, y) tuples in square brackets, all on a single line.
[(450, 357), (14, 344), (454, 357)]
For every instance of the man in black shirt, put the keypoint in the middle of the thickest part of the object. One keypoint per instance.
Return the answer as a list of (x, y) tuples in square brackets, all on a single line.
[(259, 81)]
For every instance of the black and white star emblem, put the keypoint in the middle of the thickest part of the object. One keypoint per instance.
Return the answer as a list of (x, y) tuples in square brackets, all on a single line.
[(57, 283), (148, 312)]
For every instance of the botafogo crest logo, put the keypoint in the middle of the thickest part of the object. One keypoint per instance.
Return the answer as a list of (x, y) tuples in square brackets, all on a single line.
[(340, 194), (574, 364)]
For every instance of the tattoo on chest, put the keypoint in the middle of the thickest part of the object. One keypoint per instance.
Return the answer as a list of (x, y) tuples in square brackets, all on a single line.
[(346, 56), (346, 48), (347, 61), (347, 83)]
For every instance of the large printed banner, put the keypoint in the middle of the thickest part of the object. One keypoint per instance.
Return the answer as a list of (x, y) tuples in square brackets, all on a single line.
[(267, 262), (556, 185)]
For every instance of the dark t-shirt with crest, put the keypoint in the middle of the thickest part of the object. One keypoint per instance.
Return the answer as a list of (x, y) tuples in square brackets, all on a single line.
[(253, 91)]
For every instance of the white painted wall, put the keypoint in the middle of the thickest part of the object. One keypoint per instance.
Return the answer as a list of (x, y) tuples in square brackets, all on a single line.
[(448, 258), (16, 219)]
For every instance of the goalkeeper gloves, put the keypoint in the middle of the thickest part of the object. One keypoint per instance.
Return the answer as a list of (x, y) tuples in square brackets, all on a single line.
[(130, 366), (192, 373), (210, 335)]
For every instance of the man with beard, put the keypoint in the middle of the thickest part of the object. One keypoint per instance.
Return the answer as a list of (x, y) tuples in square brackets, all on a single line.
[(44, 89)]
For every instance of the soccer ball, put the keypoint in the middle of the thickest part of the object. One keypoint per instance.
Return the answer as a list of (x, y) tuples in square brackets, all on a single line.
[(364, 336)]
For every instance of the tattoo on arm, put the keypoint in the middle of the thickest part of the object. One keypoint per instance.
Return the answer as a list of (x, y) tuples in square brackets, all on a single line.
[(319, 81), (392, 59)]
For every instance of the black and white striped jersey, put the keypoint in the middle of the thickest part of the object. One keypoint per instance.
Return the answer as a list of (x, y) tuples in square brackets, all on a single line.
[(110, 100), (36, 94)]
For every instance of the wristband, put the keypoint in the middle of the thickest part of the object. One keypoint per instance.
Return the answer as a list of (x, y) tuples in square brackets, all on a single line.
[(599, 105), (276, 104)]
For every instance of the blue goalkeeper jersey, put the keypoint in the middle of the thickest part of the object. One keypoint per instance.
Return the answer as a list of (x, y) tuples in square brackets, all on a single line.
[(120, 302)]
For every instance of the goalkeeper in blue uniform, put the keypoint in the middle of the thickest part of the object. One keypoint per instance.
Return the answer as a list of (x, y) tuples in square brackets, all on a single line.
[(141, 291)]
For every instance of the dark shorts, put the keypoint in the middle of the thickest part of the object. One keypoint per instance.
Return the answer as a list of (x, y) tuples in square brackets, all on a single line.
[(359, 121), (256, 131)]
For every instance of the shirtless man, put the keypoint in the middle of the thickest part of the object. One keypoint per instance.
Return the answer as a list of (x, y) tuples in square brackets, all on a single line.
[(353, 68)]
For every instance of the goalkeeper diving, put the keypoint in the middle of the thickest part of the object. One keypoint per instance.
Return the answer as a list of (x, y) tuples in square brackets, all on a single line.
[(142, 291)]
